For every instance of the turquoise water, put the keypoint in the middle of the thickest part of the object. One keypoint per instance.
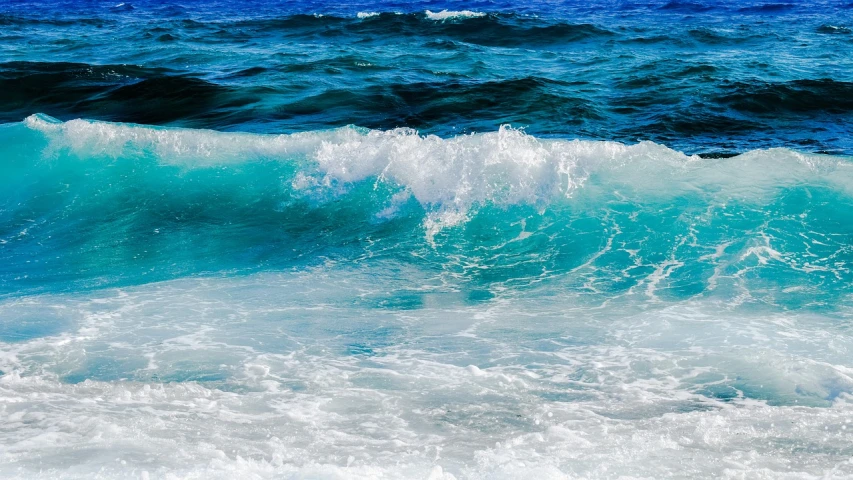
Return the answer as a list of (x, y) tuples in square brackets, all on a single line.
[(93, 205), (425, 241)]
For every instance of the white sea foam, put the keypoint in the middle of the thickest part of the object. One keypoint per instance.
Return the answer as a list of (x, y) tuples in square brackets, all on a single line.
[(449, 15), (367, 14), (297, 380)]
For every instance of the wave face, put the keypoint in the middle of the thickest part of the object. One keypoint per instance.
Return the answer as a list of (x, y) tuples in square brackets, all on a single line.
[(701, 77), (486, 209)]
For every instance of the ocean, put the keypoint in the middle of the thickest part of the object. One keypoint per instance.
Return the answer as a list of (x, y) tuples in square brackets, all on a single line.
[(434, 240)]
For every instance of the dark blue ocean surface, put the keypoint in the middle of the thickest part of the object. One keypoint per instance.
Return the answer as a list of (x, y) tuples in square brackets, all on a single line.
[(430, 240), (702, 77)]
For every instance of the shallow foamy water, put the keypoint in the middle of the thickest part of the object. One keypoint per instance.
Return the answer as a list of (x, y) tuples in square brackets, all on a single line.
[(313, 374)]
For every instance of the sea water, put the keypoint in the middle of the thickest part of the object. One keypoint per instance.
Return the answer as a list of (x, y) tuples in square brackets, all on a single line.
[(426, 240)]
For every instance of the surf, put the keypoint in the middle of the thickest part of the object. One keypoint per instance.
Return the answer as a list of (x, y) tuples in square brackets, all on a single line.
[(503, 208)]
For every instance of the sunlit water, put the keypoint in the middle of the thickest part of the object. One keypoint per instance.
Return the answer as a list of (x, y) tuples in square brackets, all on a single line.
[(290, 296)]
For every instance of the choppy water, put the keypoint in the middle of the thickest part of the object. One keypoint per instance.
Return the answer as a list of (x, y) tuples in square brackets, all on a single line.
[(426, 240)]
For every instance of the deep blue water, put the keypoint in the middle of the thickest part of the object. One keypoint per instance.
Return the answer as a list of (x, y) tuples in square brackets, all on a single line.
[(426, 239), (701, 77)]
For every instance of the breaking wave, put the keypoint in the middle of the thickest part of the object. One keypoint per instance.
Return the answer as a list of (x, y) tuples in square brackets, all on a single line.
[(622, 218)]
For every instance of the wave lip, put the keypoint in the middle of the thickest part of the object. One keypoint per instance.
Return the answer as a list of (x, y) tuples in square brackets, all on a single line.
[(504, 167)]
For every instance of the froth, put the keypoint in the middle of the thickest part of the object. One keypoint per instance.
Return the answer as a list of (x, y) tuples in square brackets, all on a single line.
[(314, 387), (447, 14)]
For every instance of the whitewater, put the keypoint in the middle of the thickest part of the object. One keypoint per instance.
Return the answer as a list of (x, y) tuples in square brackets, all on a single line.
[(357, 303)]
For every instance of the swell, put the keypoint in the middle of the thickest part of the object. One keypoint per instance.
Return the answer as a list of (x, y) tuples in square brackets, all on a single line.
[(7, 20), (116, 92), (495, 30), (824, 96), (769, 8), (161, 96), (688, 7), (649, 104), (426, 104), (749, 8), (90, 204)]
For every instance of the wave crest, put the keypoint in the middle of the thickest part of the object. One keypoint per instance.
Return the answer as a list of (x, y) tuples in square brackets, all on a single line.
[(450, 176), (451, 15)]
